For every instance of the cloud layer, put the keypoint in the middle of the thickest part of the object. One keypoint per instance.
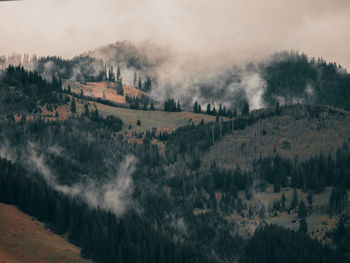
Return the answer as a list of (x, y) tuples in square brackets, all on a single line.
[(234, 29)]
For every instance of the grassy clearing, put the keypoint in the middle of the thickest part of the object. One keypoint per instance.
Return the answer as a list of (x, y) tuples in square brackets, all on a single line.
[(24, 239), (149, 119), (319, 222)]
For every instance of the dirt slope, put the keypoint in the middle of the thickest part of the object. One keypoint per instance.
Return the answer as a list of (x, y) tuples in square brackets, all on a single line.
[(25, 240)]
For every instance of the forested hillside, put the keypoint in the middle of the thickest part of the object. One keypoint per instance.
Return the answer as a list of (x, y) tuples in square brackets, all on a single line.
[(292, 77), (172, 195)]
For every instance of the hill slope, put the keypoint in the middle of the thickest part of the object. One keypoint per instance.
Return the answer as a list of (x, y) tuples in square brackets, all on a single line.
[(23, 239), (289, 134)]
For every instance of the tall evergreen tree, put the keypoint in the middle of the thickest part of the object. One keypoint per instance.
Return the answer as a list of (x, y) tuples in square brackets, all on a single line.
[(135, 79), (301, 209), (303, 225), (73, 106), (140, 84), (294, 202), (245, 109), (59, 218), (195, 107), (208, 109)]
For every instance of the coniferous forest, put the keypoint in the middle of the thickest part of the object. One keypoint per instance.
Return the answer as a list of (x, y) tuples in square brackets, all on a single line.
[(72, 164)]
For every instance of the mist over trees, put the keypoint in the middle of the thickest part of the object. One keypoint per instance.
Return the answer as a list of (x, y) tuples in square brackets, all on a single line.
[(80, 68), (294, 78), (286, 77), (177, 205)]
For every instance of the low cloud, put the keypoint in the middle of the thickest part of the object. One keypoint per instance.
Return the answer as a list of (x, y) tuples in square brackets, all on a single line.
[(113, 194)]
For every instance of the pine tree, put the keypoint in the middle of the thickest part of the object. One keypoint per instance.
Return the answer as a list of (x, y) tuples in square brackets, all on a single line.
[(220, 110), (73, 228), (245, 109), (147, 84), (301, 209), (86, 110), (86, 245), (235, 112), (276, 184), (309, 198), (73, 106), (111, 76), (195, 107), (208, 109), (59, 218), (140, 84), (294, 202), (277, 110), (303, 225), (119, 76), (135, 79), (283, 201)]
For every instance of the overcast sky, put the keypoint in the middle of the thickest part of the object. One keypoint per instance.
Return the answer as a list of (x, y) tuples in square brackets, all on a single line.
[(237, 28)]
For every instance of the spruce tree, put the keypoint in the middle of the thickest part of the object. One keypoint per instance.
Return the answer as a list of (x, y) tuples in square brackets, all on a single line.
[(140, 84), (178, 108), (208, 109), (294, 202), (245, 109), (303, 225), (301, 209), (73, 106), (59, 218), (235, 112), (135, 79), (283, 201)]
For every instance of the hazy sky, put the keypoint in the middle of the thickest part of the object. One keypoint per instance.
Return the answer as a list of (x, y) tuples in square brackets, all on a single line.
[(238, 28)]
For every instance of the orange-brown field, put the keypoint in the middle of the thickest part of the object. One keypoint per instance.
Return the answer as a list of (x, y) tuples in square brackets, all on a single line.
[(25, 240), (105, 90)]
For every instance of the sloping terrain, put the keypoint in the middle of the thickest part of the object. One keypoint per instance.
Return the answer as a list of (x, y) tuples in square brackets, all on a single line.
[(287, 135), (25, 240), (104, 90), (161, 120), (153, 119)]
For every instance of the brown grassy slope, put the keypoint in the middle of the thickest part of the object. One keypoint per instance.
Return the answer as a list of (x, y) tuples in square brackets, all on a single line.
[(305, 136), (103, 90), (23, 239)]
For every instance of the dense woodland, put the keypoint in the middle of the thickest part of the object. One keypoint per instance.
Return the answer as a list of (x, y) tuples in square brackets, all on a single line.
[(296, 78), (100, 234), (23, 91)]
